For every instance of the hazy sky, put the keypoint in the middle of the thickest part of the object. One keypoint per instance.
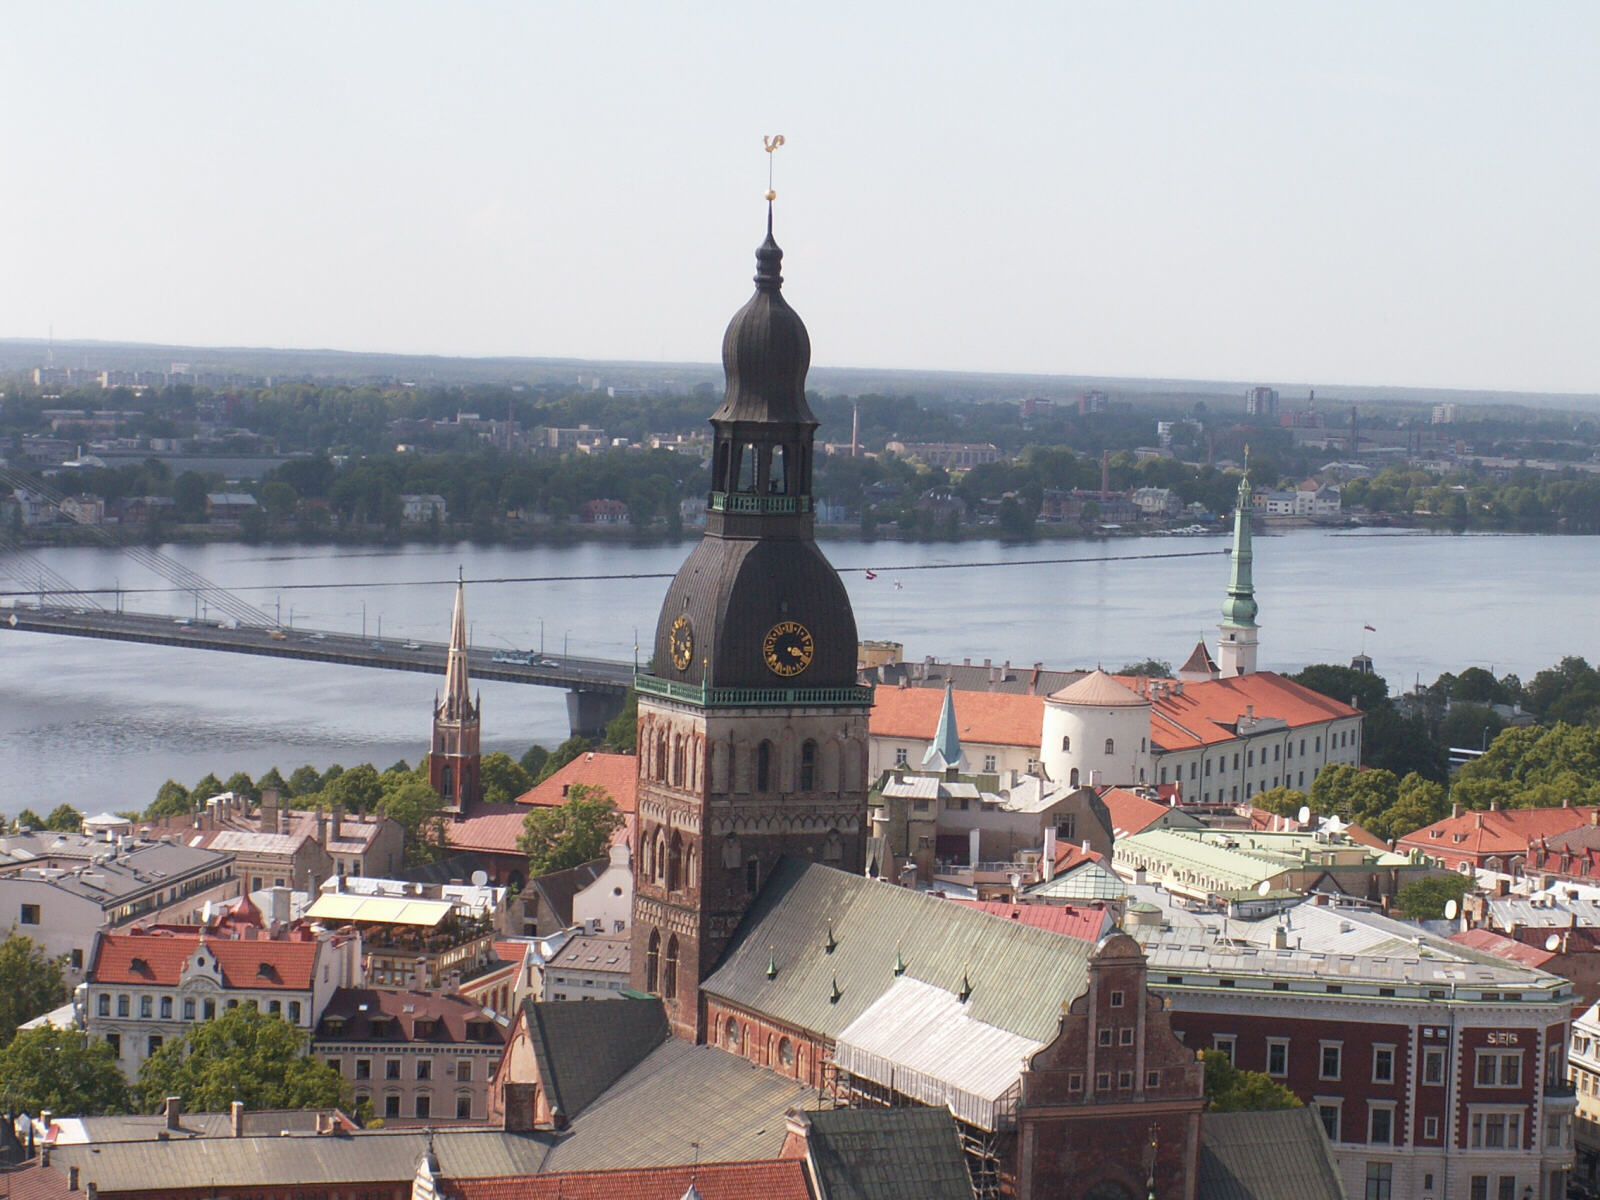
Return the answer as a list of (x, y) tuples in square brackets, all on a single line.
[(1374, 193)]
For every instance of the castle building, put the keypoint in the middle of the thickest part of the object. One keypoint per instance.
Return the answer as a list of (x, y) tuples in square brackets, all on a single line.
[(752, 728), (454, 759)]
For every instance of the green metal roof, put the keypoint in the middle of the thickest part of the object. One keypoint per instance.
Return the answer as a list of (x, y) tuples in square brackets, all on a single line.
[(888, 1154), (1019, 975), (583, 1048), (1282, 1155)]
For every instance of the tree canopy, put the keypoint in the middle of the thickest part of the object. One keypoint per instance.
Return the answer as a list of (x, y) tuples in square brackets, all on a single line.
[(30, 984), (64, 1071), (1534, 766), (575, 832), (243, 1054), (1424, 899), (1230, 1089)]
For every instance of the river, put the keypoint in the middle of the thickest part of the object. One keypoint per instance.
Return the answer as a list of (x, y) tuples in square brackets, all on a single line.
[(100, 725)]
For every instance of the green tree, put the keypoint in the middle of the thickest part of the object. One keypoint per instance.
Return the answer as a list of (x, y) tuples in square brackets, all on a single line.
[(172, 799), (1285, 802), (1155, 667), (562, 755), (1342, 683), (63, 1071), (189, 496), (1424, 899), (1229, 1089), (305, 781), (1402, 745), (30, 984), (65, 819), (243, 1054), (576, 832), (1534, 767), (1419, 803), (622, 732), (208, 787), (273, 779), (503, 778), (28, 819), (360, 789), (533, 760), (420, 812), (1472, 726), (240, 783)]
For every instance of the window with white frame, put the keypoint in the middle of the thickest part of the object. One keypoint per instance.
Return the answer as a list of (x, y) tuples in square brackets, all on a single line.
[(1499, 1068), (1433, 1066), (1226, 1043), (1383, 1064), (1277, 1057), (1430, 1129), (1332, 1063), (1380, 1124), (1328, 1111), (1380, 1181), (1494, 1128)]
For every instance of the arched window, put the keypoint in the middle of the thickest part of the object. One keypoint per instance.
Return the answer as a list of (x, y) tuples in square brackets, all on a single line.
[(675, 862), (730, 1035), (689, 866), (669, 974), (777, 481), (677, 761), (1066, 742), (447, 779), (661, 756), (747, 468), (808, 766), (1111, 746), (1072, 779), (785, 1053), (764, 766), (652, 961), (661, 856)]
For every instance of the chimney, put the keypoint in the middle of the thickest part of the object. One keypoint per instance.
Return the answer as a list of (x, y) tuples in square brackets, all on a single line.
[(174, 1111), (1455, 809), (1049, 863), (322, 828), (236, 1118), (338, 819), (1594, 815)]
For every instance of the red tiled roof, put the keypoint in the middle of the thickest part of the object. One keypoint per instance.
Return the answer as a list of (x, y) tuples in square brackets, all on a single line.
[(490, 829), (1074, 921), (1071, 854), (1501, 946), (133, 958), (775, 1179), (618, 774), (351, 1012), (982, 718), (1130, 812), (1477, 835), (1203, 714), (510, 952)]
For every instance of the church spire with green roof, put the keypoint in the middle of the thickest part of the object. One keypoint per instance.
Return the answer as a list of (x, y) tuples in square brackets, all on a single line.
[(1236, 650), (945, 752)]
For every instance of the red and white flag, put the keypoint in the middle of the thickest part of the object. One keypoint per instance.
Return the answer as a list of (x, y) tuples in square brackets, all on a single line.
[(872, 574)]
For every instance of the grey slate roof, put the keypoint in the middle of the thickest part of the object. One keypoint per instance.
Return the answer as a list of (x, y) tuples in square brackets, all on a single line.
[(583, 1048), (681, 1094), (1281, 1155), (888, 1154), (559, 887), (1019, 975)]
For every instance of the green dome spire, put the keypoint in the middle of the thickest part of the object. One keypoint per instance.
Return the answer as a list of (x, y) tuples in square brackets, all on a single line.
[(1240, 606)]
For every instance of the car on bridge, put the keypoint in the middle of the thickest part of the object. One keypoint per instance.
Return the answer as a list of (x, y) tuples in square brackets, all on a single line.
[(512, 657), (548, 662)]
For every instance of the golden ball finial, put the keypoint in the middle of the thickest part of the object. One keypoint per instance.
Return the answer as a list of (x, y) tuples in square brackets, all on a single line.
[(771, 195)]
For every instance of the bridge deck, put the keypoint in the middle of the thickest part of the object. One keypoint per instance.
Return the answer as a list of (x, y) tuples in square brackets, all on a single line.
[(388, 654)]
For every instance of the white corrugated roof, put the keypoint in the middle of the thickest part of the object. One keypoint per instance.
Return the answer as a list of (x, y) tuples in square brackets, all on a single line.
[(381, 909), (921, 1040)]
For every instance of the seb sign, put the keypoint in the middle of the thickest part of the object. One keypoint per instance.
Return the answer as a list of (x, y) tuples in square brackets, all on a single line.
[(1502, 1037)]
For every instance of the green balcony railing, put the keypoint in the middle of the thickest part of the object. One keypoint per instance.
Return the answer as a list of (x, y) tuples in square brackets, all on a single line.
[(776, 697), (742, 502)]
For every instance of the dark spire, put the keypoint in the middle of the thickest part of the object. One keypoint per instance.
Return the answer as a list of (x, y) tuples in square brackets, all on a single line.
[(766, 351), (769, 260)]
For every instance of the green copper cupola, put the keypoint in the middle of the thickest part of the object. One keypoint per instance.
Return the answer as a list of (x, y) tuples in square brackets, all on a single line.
[(1236, 648)]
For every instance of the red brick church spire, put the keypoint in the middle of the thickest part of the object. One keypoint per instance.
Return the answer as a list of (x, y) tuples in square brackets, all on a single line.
[(453, 760)]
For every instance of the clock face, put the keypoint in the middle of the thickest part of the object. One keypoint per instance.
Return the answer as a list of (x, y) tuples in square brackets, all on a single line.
[(787, 648), (681, 643)]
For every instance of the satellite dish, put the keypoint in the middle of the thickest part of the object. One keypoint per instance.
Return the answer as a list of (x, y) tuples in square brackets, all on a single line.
[(1263, 887), (1553, 942), (1305, 814), (1451, 908), (480, 878)]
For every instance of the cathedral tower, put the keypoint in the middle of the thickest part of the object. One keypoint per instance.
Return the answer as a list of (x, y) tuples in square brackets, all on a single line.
[(1236, 648), (752, 728), (453, 760)]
